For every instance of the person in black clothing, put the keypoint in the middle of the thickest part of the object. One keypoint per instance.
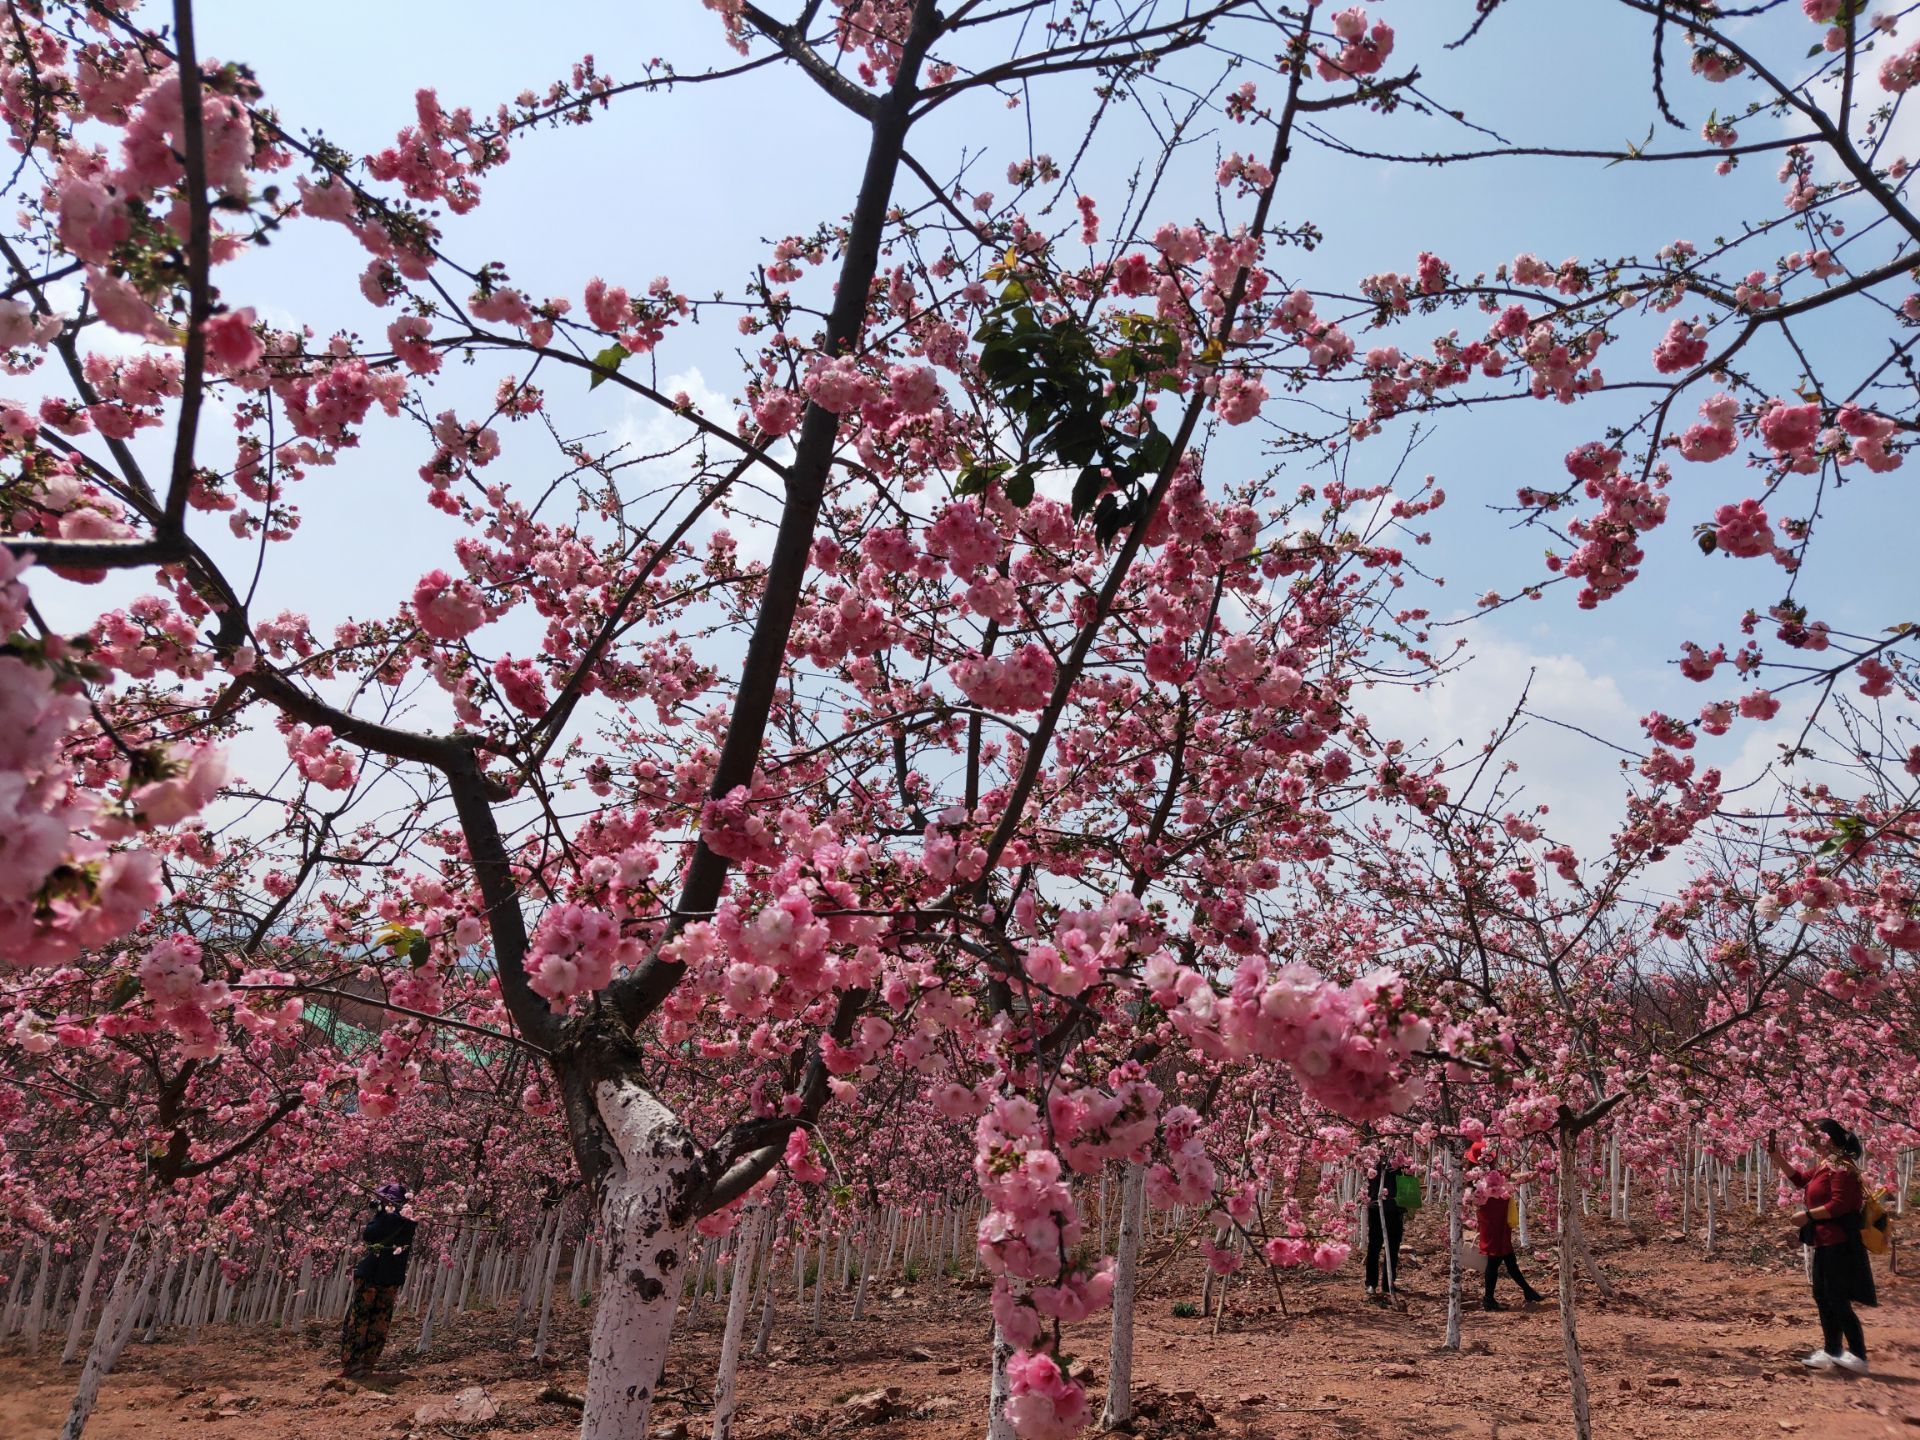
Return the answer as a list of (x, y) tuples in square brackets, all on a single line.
[(1385, 1223), (377, 1280)]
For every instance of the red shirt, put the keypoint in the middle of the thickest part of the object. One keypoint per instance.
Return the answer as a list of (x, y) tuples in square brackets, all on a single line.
[(1836, 1187), (1496, 1236)]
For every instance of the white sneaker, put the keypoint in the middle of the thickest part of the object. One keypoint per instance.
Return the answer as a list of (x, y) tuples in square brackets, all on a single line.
[(1819, 1360), (1847, 1360)]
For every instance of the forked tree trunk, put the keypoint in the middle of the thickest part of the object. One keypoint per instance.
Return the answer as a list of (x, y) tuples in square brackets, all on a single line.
[(1133, 1204), (652, 1160), (1569, 1333), (117, 1319), (1584, 1254)]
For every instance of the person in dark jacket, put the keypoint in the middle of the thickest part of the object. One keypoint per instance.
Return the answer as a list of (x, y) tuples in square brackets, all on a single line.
[(1386, 1222), (377, 1280), (1496, 1243), (1830, 1223)]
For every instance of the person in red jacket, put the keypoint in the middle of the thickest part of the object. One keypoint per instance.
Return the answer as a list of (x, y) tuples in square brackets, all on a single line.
[(1842, 1273), (1496, 1243)]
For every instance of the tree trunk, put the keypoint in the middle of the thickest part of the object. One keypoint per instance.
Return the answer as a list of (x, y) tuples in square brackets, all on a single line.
[(820, 1289), (83, 1302), (548, 1274), (765, 1335), (999, 1390), (866, 1268), (1569, 1334), (37, 1306), (117, 1319), (1456, 1184), (652, 1159), (1133, 1204), (1587, 1262), (739, 1296)]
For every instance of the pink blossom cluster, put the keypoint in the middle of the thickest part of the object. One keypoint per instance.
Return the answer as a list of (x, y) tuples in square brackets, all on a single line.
[(183, 998), (318, 759), (1012, 683), (1610, 554), (1363, 50), (574, 951), (448, 609), (1240, 677), (264, 1015)]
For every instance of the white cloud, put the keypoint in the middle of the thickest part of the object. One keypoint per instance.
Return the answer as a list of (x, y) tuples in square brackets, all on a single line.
[(1576, 775)]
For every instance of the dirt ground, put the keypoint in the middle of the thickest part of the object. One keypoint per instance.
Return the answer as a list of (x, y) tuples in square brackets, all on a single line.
[(1702, 1350)]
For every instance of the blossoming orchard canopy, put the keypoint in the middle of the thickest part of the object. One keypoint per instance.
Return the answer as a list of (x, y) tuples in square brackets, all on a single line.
[(920, 710)]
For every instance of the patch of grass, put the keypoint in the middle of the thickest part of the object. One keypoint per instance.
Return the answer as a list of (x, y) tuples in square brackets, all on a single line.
[(1185, 1310)]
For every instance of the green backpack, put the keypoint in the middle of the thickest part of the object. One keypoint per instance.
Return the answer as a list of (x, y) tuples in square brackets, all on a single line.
[(1406, 1192)]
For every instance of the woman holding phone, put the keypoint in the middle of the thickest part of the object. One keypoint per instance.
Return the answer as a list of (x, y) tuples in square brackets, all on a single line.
[(1830, 1223)]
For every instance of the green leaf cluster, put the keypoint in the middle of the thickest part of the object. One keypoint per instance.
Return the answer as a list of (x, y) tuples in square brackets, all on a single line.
[(1066, 391)]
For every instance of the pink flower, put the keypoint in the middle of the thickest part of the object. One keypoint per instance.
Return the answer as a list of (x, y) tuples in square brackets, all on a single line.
[(1239, 397), (525, 688), (1899, 72), (776, 412), (1876, 678), (93, 220), (1684, 347), (1742, 530), (186, 792), (837, 385), (1789, 429), (914, 389), (232, 343), (123, 307), (608, 307), (448, 609)]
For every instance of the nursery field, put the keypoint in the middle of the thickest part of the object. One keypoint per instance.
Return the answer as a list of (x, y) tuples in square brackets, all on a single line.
[(835, 718), (1701, 1350)]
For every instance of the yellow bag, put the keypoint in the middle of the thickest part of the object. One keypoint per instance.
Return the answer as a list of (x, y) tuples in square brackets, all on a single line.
[(1876, 1225), (1513, 1212)]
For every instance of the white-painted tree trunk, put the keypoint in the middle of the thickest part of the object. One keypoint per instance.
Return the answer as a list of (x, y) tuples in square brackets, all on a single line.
[(739, 1297), (765, 1335), (83, 1302), (1133, 1203), (1456, 1186), (999, 1390), (37, 1306), (866, 1268), (117, 1319), (549, 1273), (1569, 1332), (652, 1161), (1586, 1260), (820, 1290)]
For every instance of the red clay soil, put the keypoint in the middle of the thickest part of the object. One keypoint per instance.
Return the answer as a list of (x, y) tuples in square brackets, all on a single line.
[(1702, 1350)]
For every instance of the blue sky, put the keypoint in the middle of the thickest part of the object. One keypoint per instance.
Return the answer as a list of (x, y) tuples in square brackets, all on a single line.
[(690, 184)]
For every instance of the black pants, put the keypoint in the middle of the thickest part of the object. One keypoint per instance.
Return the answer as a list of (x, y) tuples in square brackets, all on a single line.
[(1494, 1262), (1387, 1279), (1833, 1296)]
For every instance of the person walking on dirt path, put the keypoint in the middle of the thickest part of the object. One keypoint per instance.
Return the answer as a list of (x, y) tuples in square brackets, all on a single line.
[(1496, 1241), (377, 1280), (1830, 1223), (1386, 1223)]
